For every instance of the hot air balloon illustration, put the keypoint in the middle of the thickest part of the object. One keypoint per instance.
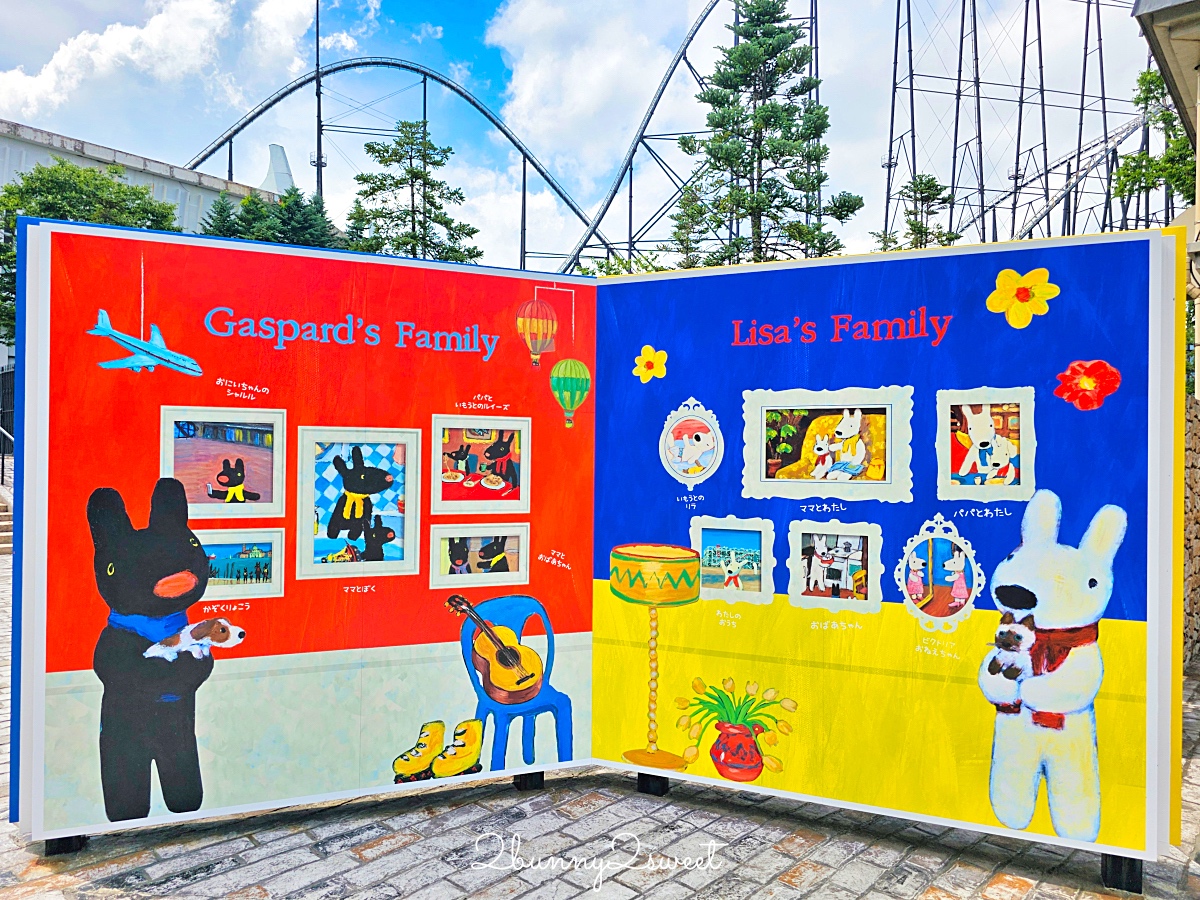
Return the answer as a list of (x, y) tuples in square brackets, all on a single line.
[(570, 382), (537, 323)]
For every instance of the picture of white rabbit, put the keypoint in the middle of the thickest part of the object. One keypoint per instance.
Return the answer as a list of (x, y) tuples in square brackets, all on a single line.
[(937, 576), (985, 450), (915, 584), (840, 444), (836, 565), (1045, 727), (851, 451)]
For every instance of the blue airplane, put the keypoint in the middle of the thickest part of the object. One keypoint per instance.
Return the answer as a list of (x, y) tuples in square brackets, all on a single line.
[(146, 354)]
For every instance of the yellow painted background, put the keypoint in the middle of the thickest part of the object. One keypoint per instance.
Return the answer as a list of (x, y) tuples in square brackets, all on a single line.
[(879, 721)]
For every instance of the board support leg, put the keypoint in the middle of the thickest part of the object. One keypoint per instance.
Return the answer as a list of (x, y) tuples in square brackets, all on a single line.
[(72, 844), (529, 781), (655, 785), (1121, 873)]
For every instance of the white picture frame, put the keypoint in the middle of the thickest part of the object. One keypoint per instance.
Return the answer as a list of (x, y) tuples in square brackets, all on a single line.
[(479, 530), (249, 590), (169, 467), (894, 487), (308, 437), (799, 568), (934, 529), (489, 505), (765, 529), (700, 423), (949, 487)]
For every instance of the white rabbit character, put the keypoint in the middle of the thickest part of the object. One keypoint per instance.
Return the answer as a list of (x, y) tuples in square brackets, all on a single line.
[(956, 568), (821, 560), (982, 432), (916, 578), (733, 571), (850, 448), (1046, 722), (696, 445), (1002, 466), (824, 457)]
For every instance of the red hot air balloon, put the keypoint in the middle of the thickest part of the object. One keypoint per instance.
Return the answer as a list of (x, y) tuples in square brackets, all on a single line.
[(537, 323)]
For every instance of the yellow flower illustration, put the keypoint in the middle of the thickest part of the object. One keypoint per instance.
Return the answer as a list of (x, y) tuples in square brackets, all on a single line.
[(1021, 297), (651, 363)]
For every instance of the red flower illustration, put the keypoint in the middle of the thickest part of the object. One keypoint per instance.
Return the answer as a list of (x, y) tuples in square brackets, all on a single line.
[(1086, 384)]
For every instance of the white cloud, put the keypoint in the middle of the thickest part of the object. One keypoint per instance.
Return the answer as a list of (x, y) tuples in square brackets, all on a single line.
[(274, 34), (460, 72), (178, 40), (427, 31), (585, 71), (339, 40)]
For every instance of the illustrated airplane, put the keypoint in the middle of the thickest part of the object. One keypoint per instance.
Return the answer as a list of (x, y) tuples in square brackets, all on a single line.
[(146, 354)]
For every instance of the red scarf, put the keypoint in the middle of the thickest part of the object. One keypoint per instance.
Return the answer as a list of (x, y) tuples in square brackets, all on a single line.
[(1051, 647)]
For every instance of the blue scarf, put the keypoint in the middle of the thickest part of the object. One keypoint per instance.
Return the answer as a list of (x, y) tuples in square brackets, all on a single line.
[(153, 629)]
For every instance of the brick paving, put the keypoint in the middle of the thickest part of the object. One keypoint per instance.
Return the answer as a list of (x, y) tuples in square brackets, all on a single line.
[(428, 845)]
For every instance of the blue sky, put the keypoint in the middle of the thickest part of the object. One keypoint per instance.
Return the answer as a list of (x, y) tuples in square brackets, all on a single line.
[(162, 78)]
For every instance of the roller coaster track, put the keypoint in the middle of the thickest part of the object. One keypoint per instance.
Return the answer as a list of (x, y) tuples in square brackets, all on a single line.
[(388, 62)]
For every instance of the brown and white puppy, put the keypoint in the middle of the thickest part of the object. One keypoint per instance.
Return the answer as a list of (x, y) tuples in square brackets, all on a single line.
[(197, 639)]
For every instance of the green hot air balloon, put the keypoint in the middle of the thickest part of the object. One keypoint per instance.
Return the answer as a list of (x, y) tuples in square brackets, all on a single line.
[(570, 382)]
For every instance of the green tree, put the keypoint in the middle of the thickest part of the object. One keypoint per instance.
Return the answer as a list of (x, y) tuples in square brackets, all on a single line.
[(359, 233), (765, 154), (303, 222), (695, 227), (621, 265), (1175, 167), (256, 219), (221, 219), (64, 190), (924, 198), (404, 207)]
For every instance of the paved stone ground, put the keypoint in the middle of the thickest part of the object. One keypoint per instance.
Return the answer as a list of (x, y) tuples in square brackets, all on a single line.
[(424, 846)]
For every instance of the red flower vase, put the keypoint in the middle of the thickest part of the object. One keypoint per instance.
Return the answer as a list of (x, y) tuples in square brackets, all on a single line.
[(735, 752)]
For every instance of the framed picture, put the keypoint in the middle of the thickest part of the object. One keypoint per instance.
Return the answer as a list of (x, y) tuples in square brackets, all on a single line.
[(737, 559), (691, 445), (231, 461), (852, 444), (938, 576), (835, 565), (477, 555), (480, 464), (359, 502), (243, 563), (986, 445)]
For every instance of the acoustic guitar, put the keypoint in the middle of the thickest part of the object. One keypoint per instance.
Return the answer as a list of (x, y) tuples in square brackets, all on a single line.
[(509, 671)]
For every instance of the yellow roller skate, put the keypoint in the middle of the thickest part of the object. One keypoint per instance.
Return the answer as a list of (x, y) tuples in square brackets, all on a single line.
[(414, 764), (462, 756)]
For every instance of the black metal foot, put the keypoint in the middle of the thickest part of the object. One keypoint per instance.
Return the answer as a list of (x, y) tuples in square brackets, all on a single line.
[(529, 781), (72, 844), (655, 785), (1121, 872)]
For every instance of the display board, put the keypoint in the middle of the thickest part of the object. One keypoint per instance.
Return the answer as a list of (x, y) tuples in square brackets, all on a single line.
[(253, 477), (927, 502), (896, 533)]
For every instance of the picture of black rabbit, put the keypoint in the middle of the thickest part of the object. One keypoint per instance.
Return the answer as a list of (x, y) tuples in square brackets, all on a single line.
[(459, 552), (492, 555), (232, 480), (148, 577), (499, 457), (376, 537), (352, 512), (459, 456)]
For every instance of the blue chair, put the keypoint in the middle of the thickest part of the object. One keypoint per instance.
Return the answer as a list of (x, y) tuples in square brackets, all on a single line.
[(513, 612)]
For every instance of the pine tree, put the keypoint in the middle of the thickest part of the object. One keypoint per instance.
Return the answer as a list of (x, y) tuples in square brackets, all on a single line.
[(765, 154), (1175, 167), (359, 235), (924, 198), (320, 228), (692, 225), (404, 207), (256, 219), (221, 219)]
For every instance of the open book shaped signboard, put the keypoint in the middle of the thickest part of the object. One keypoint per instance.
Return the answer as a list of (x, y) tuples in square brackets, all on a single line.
[(898, 533)]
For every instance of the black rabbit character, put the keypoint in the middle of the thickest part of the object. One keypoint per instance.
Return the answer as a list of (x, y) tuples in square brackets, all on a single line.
[(376, 537), (352, 512), (499, 457), (459, 456), (148, 577), (492, 557), (458, 557), (233, 480)]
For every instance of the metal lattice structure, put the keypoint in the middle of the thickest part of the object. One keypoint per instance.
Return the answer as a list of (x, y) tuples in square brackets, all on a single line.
[(1024, 152)]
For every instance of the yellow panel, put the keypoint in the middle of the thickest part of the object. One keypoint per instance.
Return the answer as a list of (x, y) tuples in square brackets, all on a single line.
[(888, 715)]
